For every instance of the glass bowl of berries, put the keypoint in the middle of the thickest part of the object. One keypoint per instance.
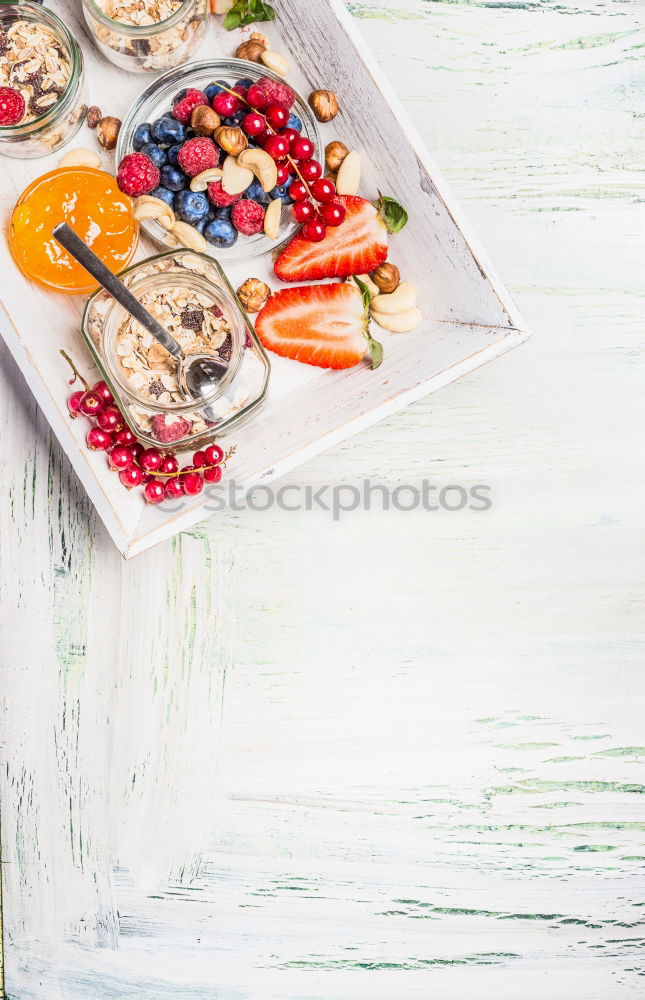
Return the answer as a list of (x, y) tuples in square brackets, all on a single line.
[(211, 152), (42, 82)]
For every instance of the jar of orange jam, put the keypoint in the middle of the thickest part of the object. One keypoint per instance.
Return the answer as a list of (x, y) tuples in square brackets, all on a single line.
[(90, 202)]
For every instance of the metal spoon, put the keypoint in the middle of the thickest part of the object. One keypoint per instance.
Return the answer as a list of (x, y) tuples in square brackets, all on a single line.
[(197, 374)]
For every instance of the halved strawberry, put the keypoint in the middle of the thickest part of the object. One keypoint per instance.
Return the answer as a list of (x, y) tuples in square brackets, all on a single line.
[(323, 325), (358, 246)]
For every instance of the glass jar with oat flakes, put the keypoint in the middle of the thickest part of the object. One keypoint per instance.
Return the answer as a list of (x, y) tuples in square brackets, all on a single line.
[(191, 297), (147, 36), (42, 62)]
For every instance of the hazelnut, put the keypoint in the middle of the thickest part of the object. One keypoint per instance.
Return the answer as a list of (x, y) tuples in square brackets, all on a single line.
[(324, 105), (94, 116), (253, 294), (107, 131), (386, 278), (251, 51), (231, 139), (335, 153), (204, 120)]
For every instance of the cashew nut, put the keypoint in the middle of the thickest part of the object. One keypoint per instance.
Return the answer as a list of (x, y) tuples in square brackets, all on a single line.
[(369, 284), (402, 322), (263, 166), (201, 181), (235, 179), (272, 218), (188, 236), (147, 207), (404, 297), (80, 158), (279, 64), (349, 174)]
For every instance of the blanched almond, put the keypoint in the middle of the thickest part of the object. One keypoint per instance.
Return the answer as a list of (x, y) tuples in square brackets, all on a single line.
[(235, 179), (349, 174), (272, 218), (80, 158), (279, 64)]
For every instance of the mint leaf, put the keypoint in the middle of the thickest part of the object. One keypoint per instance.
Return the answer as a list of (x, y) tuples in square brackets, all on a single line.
[(365, 292), (394, 215), (248, 12)]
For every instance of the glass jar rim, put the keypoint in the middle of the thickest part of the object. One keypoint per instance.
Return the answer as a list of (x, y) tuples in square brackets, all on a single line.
[(138, 30), (172, 277), (50, 20)]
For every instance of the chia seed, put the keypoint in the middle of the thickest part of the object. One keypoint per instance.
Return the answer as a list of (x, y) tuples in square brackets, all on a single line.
[(192, 319)]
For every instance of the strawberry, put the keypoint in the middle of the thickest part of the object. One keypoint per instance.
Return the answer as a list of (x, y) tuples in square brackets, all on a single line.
[(359, 246), (323, 325)]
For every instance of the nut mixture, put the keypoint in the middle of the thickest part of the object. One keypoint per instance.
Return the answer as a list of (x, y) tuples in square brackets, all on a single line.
[(33, 62), (139, 12), (193, 319)]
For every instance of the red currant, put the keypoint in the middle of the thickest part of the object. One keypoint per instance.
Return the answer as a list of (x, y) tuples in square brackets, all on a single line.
[(333, 213), (150, 460), (240, 89), (256, 97), (277, 116), (298, 191), (137, 449), (101, 389), (90, 404), (73, 403), (310, 170), (314, 231), (169, 464), (131, 477), (253, 123), (276, 146), (154, 491), (98, 440), (302, 148), (284, 173), (125, 436), (226, 104), (303, 211), (174, 488), (213, 475), (120, 458), (193, 483), (214, 454), (290, 134), (323, 189), (110, 419), (199, 459)]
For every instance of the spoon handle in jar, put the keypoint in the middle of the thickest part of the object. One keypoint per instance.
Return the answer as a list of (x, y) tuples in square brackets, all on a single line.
[(80, 251)]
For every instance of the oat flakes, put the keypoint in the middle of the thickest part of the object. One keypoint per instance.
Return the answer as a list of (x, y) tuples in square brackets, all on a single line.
[(33, 62)]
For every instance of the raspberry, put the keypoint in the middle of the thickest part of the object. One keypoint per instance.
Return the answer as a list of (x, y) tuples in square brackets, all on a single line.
[(219, 197), (183, 109), (277, 93), (167, 432), (248, 217), (12, 106), (197, 155), (137, 175)]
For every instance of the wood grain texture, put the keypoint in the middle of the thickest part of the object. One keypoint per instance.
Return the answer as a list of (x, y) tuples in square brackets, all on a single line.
[(425, 777)]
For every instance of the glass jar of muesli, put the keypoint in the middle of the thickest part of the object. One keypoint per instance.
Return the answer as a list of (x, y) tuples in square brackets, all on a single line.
[(147, 36), (42, 61), (191, 297)]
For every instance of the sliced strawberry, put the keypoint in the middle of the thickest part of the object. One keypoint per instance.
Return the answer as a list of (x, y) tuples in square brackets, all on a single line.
[(358, 246), (323, 325)]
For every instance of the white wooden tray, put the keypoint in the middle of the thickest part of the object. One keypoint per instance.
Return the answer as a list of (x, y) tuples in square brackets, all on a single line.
[(470, 315)]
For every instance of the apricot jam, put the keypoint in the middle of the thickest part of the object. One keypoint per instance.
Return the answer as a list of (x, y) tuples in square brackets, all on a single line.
[(91, 203)]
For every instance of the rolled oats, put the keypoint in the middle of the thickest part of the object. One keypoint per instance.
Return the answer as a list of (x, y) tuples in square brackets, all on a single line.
[(157, 49), (33, 61)]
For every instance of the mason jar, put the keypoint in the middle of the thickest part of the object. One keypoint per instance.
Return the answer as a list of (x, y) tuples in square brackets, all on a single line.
[(147, 47), (49, 125), (176, 287)]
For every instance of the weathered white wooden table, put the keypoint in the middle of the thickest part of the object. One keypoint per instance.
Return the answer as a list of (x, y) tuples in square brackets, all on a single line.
[(399, 755)]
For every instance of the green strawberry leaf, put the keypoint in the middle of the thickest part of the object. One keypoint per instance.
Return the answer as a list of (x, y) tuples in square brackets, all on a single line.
[(376, 351), (365, 292), (248, 12), (394, 215)]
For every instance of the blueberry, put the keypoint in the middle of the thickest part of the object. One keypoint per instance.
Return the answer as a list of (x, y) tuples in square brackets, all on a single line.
[(224, 212), (191, 206), (168, 131), (213, 89), (142, 135), (164, 194), (173, 178), (155, 153), (173, 153), (282, 192), (200, 226), (220, 233), (235, 119), (256, 192), (180, 96), (245, 82), (294, 122)]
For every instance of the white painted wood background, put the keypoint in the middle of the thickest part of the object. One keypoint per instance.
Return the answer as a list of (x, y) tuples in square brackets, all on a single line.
[(400, 755)]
